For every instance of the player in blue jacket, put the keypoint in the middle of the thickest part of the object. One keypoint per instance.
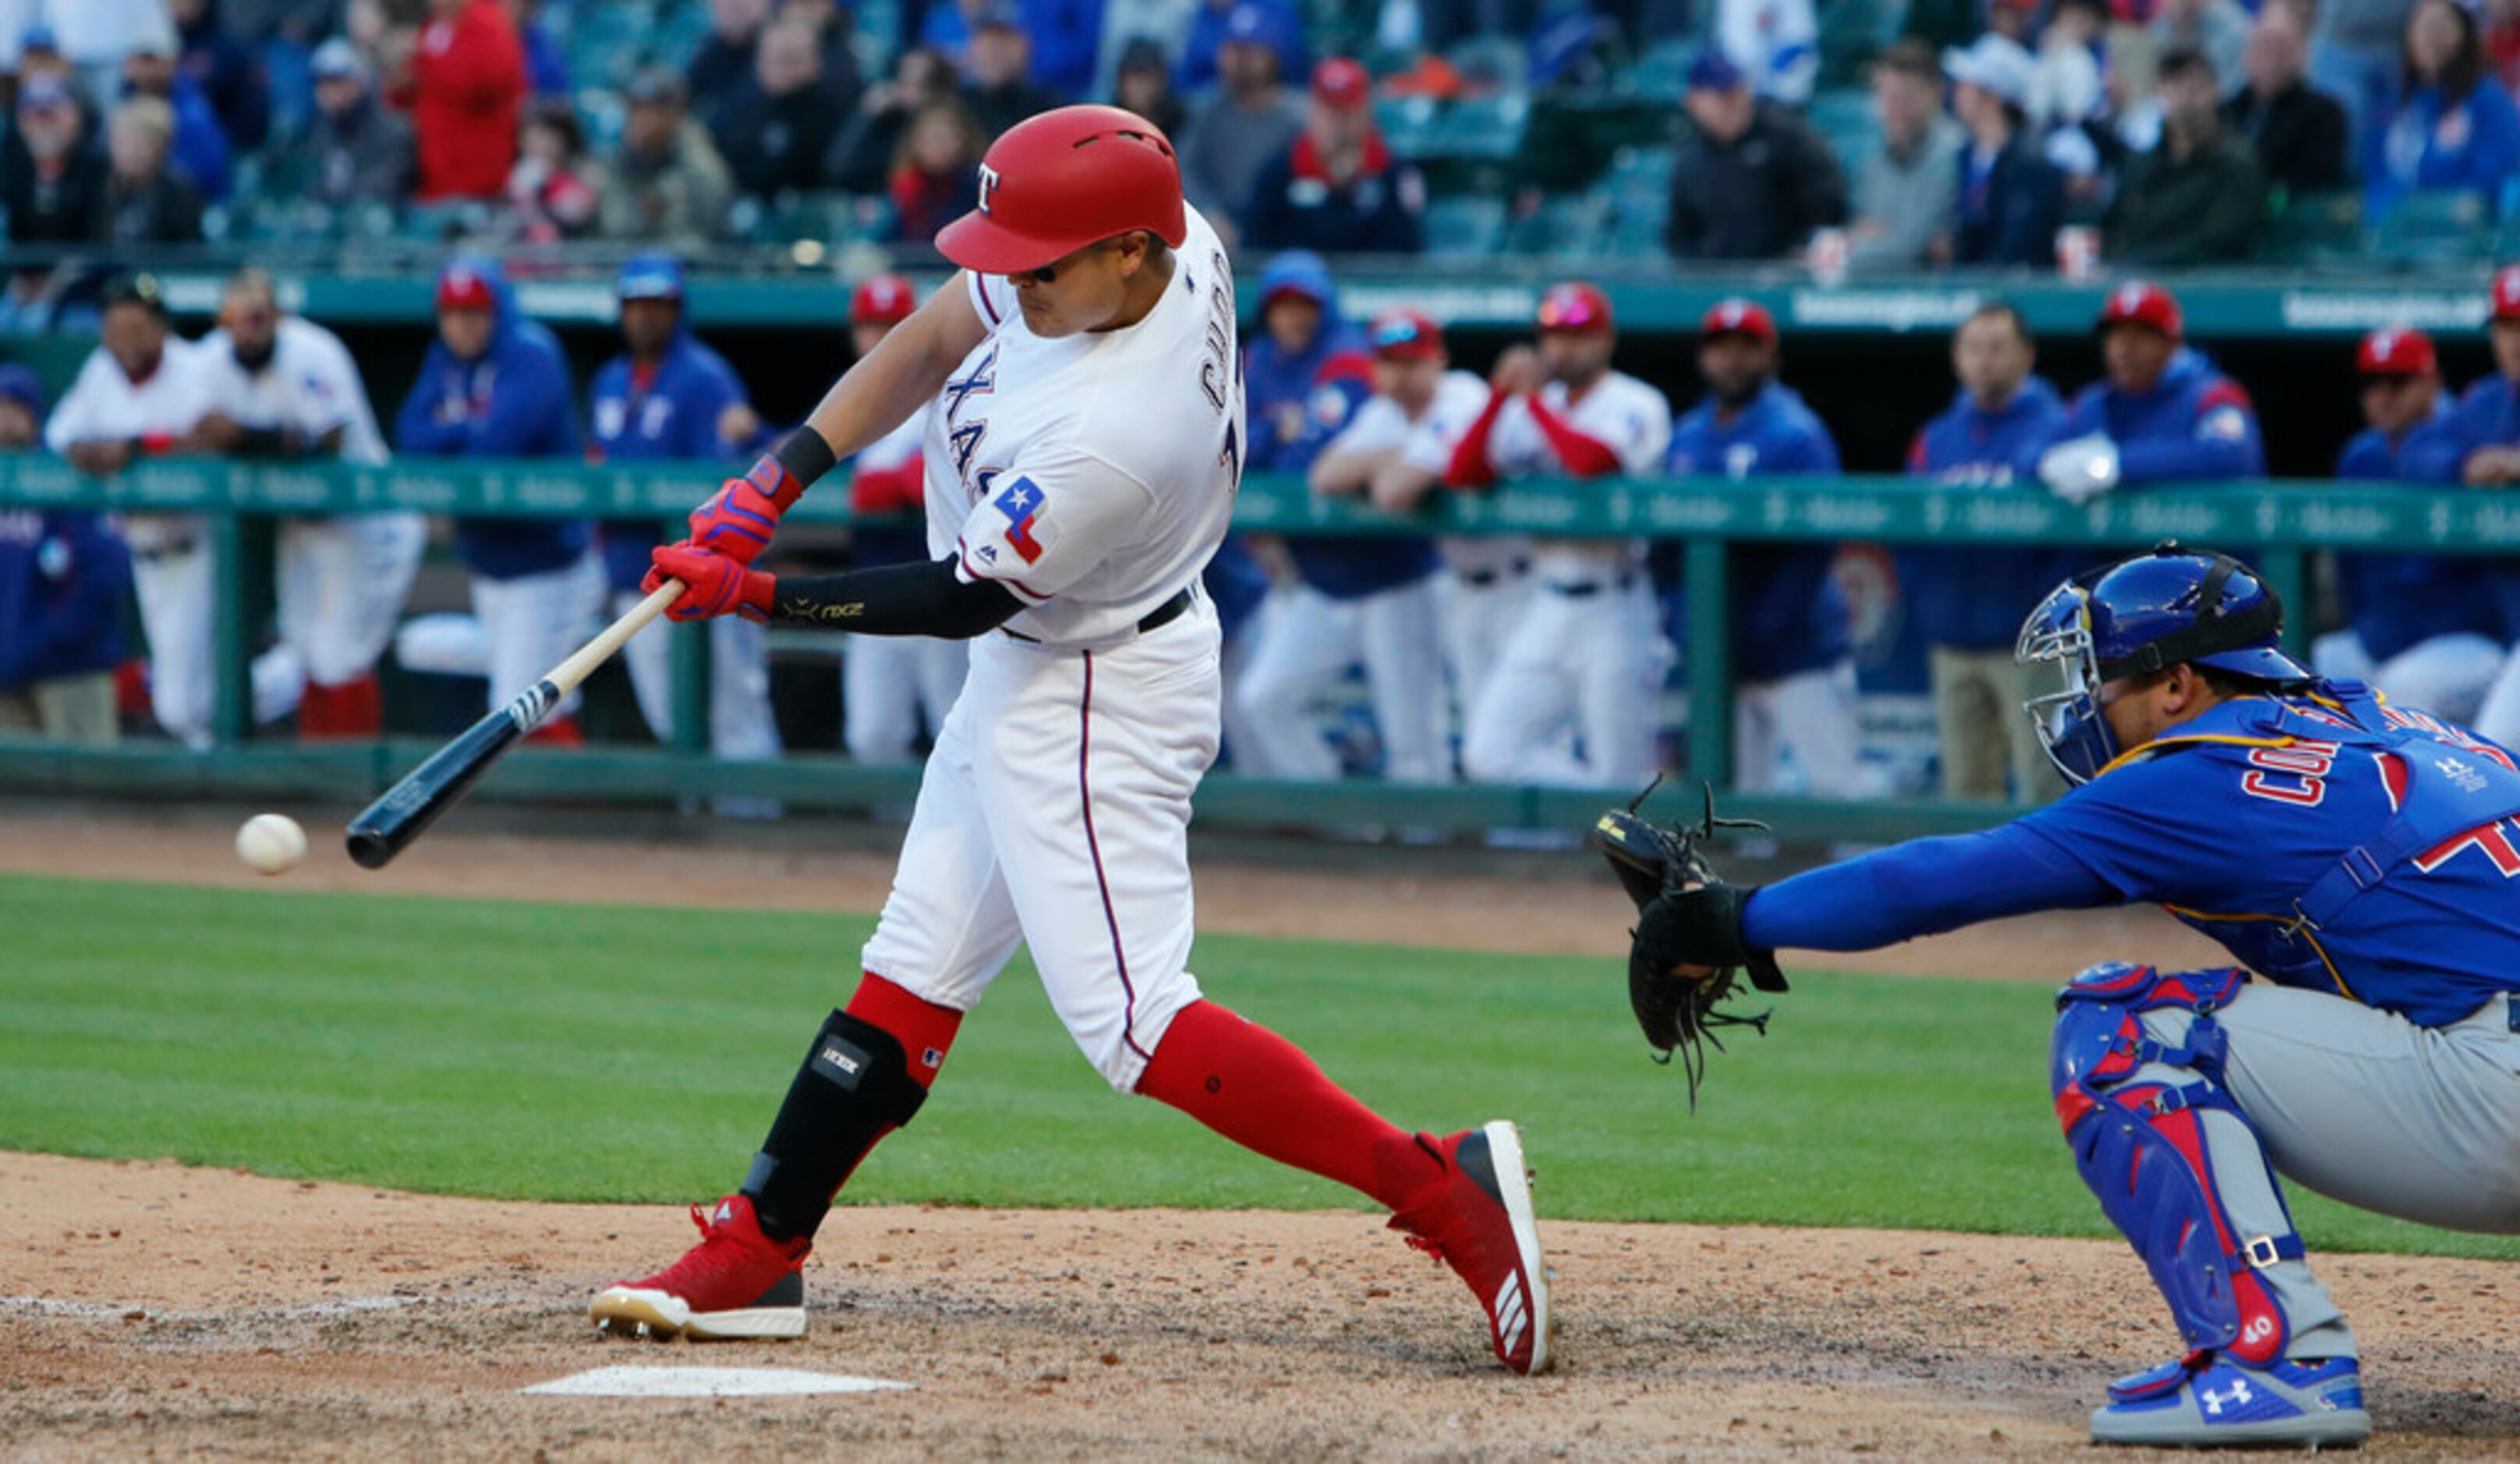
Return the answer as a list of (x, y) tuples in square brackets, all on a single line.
[(669, 398), (1962, 599), (2479, 446), (2164, 414), (63, 579), (2421, 628), (493, 385), (1794, 698), (2356, 857)]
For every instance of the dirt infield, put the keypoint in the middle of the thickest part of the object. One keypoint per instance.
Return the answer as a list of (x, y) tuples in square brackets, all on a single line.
[(170, 1311), (162, 1311)]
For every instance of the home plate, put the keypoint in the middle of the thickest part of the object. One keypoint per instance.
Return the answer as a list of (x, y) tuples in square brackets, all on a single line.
[(707, 1382)]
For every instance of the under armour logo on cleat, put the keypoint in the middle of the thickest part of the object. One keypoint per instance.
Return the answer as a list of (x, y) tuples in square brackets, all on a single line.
[(2214, 1401)]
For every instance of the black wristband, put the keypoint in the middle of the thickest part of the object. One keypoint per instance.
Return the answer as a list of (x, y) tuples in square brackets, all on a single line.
[(805, 456)]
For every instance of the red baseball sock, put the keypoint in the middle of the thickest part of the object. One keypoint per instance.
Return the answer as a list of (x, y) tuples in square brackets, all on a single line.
[(924, 1030), (1260, 1090)]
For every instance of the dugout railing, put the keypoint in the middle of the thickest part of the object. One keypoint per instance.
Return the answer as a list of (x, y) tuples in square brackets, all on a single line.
[(2282, 523)]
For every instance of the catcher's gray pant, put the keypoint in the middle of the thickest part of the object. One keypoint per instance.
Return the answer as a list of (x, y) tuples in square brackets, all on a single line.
[(2364, 1106)]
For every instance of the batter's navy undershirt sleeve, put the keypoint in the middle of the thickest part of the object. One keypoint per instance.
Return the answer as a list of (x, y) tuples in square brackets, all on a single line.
[(1921, 887)]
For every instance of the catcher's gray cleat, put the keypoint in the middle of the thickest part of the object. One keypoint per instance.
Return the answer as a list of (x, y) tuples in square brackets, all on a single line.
[(2208, 1400)]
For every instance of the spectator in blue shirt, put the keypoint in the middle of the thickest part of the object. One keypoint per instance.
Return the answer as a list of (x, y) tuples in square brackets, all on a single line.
[(2011, 197), (2451, 128), (495, 385), (225, 72), (1210, 27), (1962, 599), (200, 151), (2422, 628), (1338, 190), (1793, 708)]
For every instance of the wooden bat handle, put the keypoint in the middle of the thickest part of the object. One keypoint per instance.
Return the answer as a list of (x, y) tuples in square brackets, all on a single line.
[(566, 676)]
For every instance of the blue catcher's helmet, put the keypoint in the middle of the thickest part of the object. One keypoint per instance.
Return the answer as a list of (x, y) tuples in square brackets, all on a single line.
[(2135, 617)]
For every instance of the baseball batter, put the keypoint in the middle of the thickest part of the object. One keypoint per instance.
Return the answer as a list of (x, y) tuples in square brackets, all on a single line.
[(1082, 458), (283, 387), (2356, 857)]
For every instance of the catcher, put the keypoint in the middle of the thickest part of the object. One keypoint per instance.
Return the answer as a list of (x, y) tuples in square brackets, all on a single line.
[(2358, 860)]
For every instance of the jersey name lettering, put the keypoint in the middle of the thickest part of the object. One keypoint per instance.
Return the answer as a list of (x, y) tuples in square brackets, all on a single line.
[(2301, 773)]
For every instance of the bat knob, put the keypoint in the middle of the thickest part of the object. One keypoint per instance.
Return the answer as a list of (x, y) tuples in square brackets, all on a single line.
[(368, 848)]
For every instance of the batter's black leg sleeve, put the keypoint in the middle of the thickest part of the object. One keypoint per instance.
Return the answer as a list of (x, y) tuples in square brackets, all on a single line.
[(853, 1089)]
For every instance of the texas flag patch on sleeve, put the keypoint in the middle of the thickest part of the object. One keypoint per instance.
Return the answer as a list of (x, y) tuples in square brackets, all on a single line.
[(1027, 528)]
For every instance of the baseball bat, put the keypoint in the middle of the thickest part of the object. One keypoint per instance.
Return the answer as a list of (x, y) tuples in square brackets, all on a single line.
[(388, 826)]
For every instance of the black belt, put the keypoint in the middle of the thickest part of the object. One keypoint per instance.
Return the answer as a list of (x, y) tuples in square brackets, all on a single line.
[(174, 551), (1489, 579), (1590, 588), (1155, 620)]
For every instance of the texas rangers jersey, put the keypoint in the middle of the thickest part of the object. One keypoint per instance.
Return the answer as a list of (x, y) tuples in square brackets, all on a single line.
[(105, 405), (1625, 414), (1345, 568), (310, 384), (1093, 475)]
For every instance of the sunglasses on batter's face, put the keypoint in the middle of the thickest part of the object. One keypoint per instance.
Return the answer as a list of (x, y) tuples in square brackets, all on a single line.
[(1049, 273)]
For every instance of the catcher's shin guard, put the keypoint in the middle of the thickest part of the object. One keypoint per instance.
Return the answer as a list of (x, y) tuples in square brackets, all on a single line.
[(2142, 1144), (853, 1089)]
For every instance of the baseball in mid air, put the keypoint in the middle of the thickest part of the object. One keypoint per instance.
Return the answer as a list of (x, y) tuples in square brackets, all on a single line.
[(271, 843)]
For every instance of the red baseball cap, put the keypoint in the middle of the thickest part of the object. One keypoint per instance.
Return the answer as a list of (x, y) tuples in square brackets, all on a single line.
[(2140, 302), (1575, 306), (1738, 317), (2506, 293), (882, 299), (1406, 335), (1056, 182), (1342, 83), (460, 289), (2394, 352)]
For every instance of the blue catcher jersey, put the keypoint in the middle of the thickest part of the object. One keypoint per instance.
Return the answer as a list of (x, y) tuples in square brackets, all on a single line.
[(2328, 841)]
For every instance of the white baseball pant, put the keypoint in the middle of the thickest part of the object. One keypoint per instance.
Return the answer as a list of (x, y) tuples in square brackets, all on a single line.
[(340, 585), (1056, 812), (741, 727), (1312, 640), (533, 621), (1576, 694), (892, 684), (1799, 734), (1477, 613), (2448, 676)]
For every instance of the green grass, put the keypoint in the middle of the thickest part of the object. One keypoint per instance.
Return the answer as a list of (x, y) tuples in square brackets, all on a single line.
[(572, 1052)]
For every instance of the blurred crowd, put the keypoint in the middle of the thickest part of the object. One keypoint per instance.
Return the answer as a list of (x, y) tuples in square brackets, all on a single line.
[(1422, 659), (1863, 134)]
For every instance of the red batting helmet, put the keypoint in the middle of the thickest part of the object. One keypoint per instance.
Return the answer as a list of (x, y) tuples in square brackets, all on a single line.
[(2396, 353), (1054, 183), (881, 300), (2140, 302)]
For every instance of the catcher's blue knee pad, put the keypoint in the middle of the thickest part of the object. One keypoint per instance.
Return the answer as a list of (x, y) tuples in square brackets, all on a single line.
[(2141, 1148)]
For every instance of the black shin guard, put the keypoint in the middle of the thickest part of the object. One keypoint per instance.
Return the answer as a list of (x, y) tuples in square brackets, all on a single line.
[(854, 1086)]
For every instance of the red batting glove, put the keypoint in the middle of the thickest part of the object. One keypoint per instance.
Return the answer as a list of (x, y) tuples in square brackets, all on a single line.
[(739, 519), (713, 584)]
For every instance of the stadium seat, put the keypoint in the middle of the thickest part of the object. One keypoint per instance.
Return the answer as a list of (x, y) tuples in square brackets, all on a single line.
[(1493, 63), (1479, 127), (1406, 123), (1661, 74), (2314, 228), (1564, 227), (1464, 228), (1845, 121)]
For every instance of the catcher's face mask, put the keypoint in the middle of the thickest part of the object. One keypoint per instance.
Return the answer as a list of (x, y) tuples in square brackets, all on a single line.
[(2065, 705)]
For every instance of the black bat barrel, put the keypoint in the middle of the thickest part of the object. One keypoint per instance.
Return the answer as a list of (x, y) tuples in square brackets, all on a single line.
[(388, 826)]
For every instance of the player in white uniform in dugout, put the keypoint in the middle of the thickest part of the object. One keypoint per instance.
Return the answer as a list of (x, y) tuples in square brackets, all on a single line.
[(1082, 461)]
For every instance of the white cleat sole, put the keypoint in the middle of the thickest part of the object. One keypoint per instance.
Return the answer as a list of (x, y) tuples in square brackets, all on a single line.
[(1513, 1185), (629, 1312)]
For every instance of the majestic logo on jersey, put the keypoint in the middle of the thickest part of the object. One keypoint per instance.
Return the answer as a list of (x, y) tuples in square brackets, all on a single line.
[(1021, 504), (988, 185)]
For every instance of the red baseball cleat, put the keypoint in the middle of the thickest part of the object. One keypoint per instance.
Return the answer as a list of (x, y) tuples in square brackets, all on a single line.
[(736, 1282), (1478, 1220)]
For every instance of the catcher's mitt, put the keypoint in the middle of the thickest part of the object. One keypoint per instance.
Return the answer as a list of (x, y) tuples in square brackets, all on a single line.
[(1687, 917)]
